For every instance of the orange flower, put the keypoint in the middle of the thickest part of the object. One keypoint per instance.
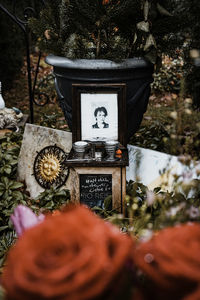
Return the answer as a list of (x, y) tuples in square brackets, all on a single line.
[(74, 255), (170, 262)]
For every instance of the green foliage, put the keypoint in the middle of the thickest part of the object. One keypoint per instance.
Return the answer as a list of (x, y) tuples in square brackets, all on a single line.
[(54, 120), (9, 151), (46, 85), (51, 199), (107, 210), (171, 126), (49, 120), (6, 241), (8, 162), (11, 195), (168, 78), (11, 191), (148, 211), (151, 137), (12, 140), (191, 13), (115, 30)]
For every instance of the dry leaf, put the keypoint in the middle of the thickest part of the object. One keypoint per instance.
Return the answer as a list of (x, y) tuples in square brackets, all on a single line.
[(144, 26), (163, 11), (150, 42), (146, 10)]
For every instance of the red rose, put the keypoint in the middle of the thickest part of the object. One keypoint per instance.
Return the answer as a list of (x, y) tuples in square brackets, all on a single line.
[(170, 263), (74, 255)]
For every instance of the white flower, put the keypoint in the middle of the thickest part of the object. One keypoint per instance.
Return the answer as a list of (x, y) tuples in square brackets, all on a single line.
[(187, 177), (193, 212), (146, 235), (173, 210), (173, 115), (150, 198)]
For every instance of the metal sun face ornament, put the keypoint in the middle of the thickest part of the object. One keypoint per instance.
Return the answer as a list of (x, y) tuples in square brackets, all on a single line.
[(50, 169)]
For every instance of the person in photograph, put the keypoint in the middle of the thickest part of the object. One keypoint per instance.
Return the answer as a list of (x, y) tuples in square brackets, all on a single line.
[(100, 114)]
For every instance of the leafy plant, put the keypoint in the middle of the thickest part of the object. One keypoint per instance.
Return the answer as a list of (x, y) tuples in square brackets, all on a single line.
[(49, 120), (11, 191), (171, 126), (148, 211), (53, 121), (6, 241), (151, 136), (169, 76), (8, 163), (11, 196), (106, 29), (51, 199), (107, 210), (45, 85)]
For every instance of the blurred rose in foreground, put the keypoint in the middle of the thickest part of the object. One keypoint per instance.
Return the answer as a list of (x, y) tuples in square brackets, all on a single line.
[(170, 263), (24, 218), (74, 255)]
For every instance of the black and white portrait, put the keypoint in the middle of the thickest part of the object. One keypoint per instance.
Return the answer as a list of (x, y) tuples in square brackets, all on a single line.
[(99, 116)]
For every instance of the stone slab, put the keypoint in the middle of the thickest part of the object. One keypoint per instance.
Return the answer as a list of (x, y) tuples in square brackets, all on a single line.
[(35, 138), (156, 169)]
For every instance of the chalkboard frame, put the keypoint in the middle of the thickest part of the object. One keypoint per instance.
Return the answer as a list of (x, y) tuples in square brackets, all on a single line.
[(118, 183), (96, 88), (94, 188)]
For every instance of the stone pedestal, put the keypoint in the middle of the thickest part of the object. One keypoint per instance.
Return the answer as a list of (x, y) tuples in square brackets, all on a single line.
[(91, 185)]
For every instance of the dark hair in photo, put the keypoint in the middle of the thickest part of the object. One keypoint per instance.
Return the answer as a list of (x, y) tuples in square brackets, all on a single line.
[(102, 108)]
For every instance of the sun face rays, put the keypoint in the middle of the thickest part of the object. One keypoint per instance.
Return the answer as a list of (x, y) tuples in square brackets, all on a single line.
[(49, 167)]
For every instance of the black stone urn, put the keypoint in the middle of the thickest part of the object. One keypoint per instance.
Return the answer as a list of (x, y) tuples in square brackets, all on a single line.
[(135, 72)]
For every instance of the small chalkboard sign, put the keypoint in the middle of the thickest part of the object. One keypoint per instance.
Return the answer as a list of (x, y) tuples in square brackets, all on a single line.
[(94, 188)]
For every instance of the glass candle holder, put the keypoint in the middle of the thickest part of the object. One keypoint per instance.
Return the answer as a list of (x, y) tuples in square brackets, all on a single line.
[(80, 148), (110, 147)]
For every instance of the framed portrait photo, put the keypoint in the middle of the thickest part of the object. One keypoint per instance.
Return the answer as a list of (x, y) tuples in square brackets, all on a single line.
[(99, 112)]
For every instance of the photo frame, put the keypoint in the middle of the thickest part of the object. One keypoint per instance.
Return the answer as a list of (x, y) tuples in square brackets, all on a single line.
[(99, 112)]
